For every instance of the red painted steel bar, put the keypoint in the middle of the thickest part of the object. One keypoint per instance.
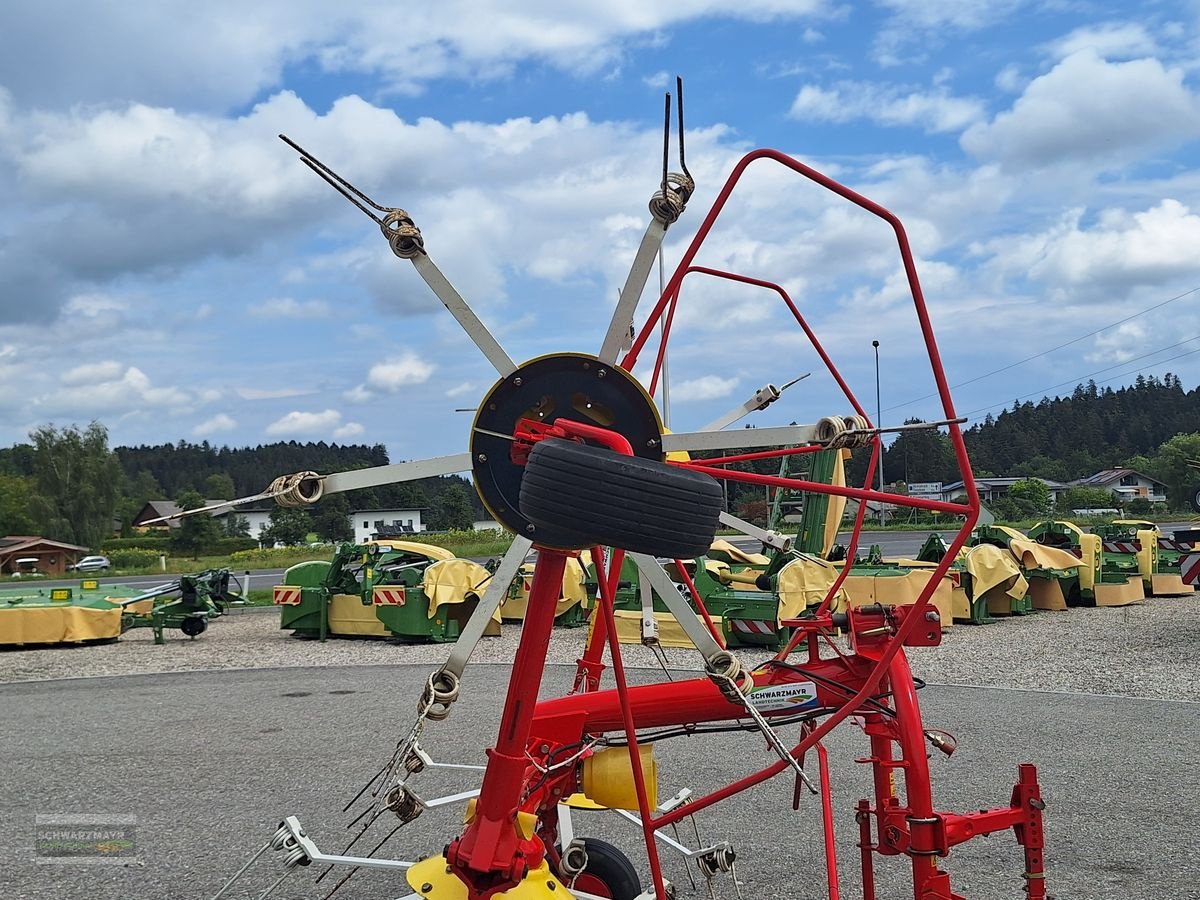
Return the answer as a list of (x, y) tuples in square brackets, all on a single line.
[(607, 601)]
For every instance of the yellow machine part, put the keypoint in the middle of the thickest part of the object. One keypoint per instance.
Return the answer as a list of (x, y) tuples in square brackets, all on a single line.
[(996, 578), (574, 591), (432, 879), (1047, 593), (1148, 556), (1132, 591), (608, 778), (58, 624), (347, 615), (804, 582), (837, 505), (900, 590), (1169, 585)]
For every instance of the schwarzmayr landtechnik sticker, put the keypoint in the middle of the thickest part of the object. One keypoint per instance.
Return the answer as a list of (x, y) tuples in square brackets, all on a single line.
[(797, 695)]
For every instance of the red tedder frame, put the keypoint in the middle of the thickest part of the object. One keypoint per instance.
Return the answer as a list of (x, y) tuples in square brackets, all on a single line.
[(872, 682)]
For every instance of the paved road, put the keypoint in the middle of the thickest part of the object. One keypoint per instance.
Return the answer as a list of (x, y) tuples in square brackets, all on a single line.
[(209, 763)]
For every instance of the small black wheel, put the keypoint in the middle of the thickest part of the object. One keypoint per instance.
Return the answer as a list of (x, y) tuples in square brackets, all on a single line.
[(1196, 500), (578, 496), (608, 873), (193, 626)]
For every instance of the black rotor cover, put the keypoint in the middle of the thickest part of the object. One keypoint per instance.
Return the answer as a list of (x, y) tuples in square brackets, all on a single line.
[(573, 386)]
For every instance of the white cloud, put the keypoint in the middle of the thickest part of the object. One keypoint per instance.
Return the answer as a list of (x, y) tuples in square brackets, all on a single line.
[(108, 370), (255, 393), (659, 79), (929, 23), (1111, 39), (306, 423), (706, 387), (110, 387), (934, 111), (358, 394), (349, 430), (289, 308), (219, 422), (165, 63), (1087, 109), (1122, 249), (399, 371), (459, 390)]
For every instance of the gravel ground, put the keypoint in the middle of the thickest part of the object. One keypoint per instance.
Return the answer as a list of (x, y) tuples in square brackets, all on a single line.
[(1147, 650)]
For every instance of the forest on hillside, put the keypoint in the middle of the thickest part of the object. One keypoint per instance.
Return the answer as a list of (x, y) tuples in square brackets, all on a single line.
[(1144, 426), (68, 485)]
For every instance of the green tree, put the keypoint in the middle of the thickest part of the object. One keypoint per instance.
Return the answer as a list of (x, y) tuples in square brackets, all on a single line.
[(77, 479), (219, 486), (452, 509), (331, 519), (16, 494), (197, 532), (287, 526), (1031, 495), (1170, 466), (1080, 497), (237, 526)]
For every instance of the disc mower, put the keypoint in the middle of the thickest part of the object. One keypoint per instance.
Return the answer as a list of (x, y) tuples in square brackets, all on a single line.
[(569, 452)]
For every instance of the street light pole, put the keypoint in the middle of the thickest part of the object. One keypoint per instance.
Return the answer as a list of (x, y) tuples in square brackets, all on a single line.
[(879, 424)]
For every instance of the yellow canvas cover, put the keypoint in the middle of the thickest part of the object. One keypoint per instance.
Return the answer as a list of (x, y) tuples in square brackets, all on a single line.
[(430, 550), (58, 624), (1032, 555), (451, 580), (348, 615), (724, 549), (804, 582), (670, 632), (991, 568)]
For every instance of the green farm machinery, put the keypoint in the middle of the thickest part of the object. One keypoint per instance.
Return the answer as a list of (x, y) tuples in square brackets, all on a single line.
[(386, 588), (1101, 582), (92, 612), (1158, 557), (201, 597)]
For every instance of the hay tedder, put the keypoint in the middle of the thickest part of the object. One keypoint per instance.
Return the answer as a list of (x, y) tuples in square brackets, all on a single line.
[(568, 451)]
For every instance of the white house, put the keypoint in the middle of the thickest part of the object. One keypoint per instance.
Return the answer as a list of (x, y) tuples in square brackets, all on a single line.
[(1126, 485), (371, 523)]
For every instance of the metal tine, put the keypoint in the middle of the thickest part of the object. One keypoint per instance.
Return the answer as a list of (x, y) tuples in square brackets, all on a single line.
[(666, 140), (679, 106), (338, 183), (340, 189)]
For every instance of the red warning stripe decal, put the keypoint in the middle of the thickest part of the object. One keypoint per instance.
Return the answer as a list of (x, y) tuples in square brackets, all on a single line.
[(388, 596), (283, 595)]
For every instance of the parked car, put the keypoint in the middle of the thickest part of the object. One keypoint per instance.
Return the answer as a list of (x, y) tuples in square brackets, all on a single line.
[(92, 564)]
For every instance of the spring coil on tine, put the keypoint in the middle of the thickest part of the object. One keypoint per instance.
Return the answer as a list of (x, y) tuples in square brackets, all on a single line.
[(441, 690), (296, 857), (299, 489), (716, 861), (404, 803), (402, 234), (726, 672), (668, 205), (280, 838), (847, 433)]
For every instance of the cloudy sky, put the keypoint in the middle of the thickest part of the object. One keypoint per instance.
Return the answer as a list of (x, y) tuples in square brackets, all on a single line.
[(168, 267)]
